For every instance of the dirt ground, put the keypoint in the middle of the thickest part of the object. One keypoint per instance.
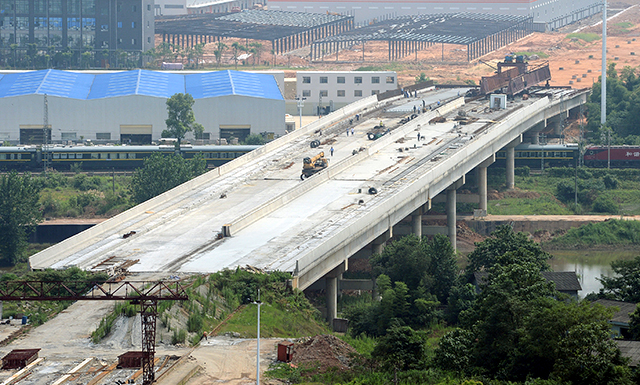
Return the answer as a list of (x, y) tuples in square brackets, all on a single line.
[(573, 61)]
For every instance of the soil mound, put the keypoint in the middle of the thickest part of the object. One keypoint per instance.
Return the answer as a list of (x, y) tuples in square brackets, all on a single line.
[(324, 352)]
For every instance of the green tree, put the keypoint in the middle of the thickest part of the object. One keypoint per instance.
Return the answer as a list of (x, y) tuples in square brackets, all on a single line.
[(624, 284), (237, 47), (422, 78), (254, 140), (181, 118), (161, 173), (198, 130), (19, 213), (502, 241), (634, 324), (218, 52), (402, 348)]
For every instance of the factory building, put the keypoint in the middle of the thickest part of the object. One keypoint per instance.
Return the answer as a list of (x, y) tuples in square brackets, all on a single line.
[(325, 91), (130, 107), (547, 14)]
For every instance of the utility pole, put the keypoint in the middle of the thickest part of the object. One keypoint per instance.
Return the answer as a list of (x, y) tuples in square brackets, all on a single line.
[(603, 93), (45, 136)]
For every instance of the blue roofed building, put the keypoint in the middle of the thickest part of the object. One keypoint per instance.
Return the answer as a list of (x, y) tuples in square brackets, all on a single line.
[(130, 106)]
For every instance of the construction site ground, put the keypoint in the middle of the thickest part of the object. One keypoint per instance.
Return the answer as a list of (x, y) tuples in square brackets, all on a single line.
[(573, 61)]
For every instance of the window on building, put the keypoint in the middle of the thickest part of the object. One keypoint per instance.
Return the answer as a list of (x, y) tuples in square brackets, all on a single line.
[(133, 41), (306, 79), (104, 27), (357, 80), (133, 24), (179, 6), (375, 80), (306, 93), (357, 93), (375, 92), (324, 93), (324, 80), (341, 93), (390, 79), (148, 7), (148, 40), (103, 136), (68, 136), (134, 8), (341, 80), (119, 41), (119, 24)]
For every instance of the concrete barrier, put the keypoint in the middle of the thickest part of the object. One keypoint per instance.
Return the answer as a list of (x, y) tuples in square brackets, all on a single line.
[(324, 175)]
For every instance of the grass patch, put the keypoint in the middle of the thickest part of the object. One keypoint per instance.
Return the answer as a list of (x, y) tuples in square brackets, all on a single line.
[(587, 37), (540, 54), (544, 205), (274, 322), (610, 233)]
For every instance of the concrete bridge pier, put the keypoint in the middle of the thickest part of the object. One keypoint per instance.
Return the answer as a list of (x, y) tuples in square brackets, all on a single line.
[(416, 219), (451, 210), (511, 162), (482, 181), (331, 280)]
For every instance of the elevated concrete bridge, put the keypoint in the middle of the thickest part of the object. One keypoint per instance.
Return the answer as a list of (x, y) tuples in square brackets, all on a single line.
[(256, 211)]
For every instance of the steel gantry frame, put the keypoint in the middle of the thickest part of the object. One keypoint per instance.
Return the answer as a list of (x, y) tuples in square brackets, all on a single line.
[(146, 294)]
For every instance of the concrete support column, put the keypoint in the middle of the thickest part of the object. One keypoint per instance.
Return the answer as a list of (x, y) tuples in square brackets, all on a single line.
[(482, 187), (416, 218), (332, 299), (331, 280), (511, 160), (451, 215), (482, 181)]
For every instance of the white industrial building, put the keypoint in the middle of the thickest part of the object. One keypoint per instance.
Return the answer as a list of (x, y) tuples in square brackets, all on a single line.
[(130, 107), (332, 90)]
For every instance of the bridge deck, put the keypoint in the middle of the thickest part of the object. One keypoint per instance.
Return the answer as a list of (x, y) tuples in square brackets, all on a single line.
[(182, 235)]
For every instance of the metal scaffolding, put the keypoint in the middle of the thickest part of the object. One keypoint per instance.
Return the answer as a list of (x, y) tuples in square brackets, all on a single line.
[(146, 294), (480, 33), (285, 30)]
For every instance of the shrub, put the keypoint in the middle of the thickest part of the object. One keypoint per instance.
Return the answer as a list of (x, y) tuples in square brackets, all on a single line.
[(605, 205), (179, 336), (610, 182), (522, 171), (194, 324)]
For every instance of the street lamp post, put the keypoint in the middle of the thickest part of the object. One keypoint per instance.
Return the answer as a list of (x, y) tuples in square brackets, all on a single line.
[(300, 100), (258, 352)]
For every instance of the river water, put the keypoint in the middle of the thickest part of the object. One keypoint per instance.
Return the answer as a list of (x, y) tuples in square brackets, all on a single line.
[(588, 265)]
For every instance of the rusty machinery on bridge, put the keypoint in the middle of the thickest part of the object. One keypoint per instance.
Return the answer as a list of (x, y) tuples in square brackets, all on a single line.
[(145, 294)]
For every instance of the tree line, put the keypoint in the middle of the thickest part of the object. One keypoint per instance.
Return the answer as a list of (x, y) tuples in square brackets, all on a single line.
[(507, 324)]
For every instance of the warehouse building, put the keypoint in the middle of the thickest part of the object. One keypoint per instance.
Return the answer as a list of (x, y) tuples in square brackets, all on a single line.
[(130, 107)]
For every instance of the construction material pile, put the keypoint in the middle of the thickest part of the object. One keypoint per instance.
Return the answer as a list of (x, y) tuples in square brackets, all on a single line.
[(323, 352)]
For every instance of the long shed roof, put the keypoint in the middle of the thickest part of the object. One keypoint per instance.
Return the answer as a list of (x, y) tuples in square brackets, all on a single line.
[(138, 82)]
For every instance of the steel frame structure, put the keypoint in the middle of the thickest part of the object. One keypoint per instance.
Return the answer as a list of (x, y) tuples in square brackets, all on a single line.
[(146, 294)]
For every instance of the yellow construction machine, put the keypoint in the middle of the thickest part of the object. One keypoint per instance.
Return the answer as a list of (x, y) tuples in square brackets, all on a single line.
[(311, 166)]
